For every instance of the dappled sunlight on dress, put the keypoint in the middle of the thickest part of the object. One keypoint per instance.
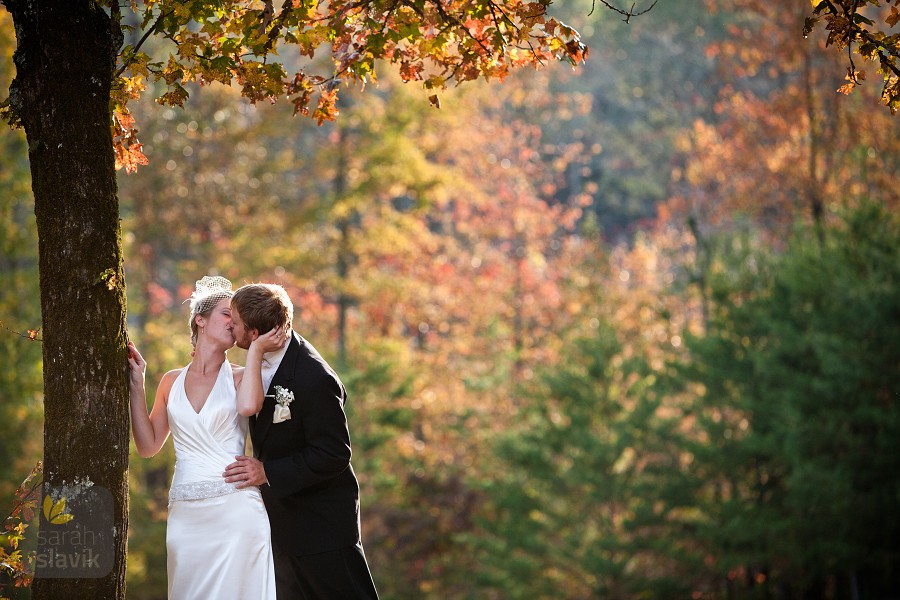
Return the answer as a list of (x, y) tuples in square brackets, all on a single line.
[(218, 539)]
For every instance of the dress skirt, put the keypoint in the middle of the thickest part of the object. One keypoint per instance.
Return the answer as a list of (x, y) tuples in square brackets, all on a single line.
[(220, 548)]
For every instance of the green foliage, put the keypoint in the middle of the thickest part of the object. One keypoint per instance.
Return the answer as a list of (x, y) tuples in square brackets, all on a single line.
[(764, 458), (798, 421), (579, 512), (20, 319), (20, 349)]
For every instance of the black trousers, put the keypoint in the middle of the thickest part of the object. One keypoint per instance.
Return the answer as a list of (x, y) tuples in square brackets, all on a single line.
[(337, 575)]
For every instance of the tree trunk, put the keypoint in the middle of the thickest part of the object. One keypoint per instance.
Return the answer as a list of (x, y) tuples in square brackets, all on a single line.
[(65, 60)]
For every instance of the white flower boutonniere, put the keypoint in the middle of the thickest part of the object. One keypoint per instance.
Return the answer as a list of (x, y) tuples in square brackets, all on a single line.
[(283, 399)]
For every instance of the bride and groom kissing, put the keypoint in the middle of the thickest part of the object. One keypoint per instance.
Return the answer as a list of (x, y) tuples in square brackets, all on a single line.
[(283, 523)]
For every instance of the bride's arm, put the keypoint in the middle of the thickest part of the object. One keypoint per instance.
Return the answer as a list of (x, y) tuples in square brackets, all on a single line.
[(250, 390), (150, 430)]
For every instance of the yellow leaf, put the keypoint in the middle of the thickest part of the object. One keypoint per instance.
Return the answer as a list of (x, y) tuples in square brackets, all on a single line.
[(55, 512), (61, 519)]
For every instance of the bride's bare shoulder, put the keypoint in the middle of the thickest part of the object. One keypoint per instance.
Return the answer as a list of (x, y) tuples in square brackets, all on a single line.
[(169, 378), (166, 382)]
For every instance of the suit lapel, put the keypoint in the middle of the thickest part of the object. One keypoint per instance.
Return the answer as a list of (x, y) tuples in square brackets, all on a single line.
[(283, 376)]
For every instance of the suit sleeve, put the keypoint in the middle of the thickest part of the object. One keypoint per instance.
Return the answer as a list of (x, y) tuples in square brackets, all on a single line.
[(326, 452)]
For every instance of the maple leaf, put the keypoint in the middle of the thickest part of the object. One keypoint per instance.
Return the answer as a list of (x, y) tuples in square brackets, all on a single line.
[(327, 108), (894, 17), (410, 72), (27, 512), (130, 158), (174, 97)]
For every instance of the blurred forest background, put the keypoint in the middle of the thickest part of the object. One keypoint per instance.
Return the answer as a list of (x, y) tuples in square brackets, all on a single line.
[(625, 331)]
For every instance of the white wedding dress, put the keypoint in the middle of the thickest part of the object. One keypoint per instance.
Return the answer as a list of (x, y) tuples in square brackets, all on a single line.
[(218, 538)]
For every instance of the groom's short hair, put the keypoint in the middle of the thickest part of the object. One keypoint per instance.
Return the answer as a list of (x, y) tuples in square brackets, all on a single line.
[(263, 306)]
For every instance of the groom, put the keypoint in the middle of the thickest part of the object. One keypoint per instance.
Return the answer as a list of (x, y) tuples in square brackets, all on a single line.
[(302, 459)]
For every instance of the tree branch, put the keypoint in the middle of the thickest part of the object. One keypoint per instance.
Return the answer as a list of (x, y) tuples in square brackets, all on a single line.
[(856, 33), (451, 19), (126, 64), (31, 335), (286, 10), (625, 13)]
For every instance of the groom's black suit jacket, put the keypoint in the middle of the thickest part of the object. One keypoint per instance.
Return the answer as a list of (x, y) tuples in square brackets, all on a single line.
[(313, 495)]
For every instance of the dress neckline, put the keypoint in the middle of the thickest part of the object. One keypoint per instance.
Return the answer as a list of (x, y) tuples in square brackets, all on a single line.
[(211, 390)]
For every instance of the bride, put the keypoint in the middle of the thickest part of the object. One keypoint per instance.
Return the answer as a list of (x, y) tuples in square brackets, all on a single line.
[(218, 538)]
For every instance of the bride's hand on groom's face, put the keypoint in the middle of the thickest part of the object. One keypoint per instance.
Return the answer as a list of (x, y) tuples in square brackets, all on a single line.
[(272, 340)]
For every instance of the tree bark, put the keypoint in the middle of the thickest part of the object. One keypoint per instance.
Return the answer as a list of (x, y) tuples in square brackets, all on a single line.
[(65, 60)]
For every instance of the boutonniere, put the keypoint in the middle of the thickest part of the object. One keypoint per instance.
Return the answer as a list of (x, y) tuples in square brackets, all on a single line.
[(283, 399)]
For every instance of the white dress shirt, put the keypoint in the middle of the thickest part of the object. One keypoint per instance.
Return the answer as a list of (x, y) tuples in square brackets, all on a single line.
[(270, 363)]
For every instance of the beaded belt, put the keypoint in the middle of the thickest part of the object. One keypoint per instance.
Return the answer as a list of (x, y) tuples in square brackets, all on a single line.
[(199, 490)]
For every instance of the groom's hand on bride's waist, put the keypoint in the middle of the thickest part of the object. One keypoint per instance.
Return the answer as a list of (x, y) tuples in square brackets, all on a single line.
[(245, 471)]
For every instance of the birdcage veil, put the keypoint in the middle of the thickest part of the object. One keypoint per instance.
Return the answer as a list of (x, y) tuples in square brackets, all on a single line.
[(208, 291)]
